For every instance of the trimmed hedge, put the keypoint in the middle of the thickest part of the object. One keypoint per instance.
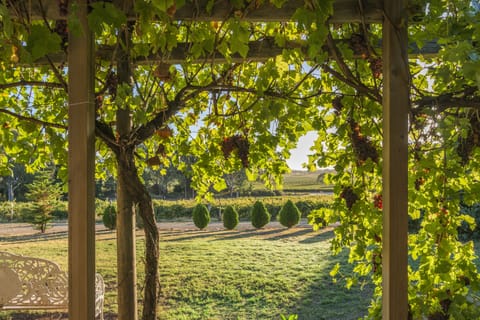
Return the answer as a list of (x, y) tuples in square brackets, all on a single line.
[(201, 216), (109, 217), (260, 215), (230, 218), (183, 209), (289, 215)]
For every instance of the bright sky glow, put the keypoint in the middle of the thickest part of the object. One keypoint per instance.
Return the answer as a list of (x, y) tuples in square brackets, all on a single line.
[(299, 155)]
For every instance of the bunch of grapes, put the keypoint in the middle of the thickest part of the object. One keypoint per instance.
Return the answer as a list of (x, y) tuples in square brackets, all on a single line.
[(112, 83), (63, 7), (243, 150), (337, 104), (238, 143), (443, 314), (359, 46), (376, 262), (62, 30), (376, 65), (98, 102), (228, 145), (378, 201), (349, 196), (418, 183), (362, 146)]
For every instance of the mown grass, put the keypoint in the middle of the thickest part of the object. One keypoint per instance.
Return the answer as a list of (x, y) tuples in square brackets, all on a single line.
[(249, 274)]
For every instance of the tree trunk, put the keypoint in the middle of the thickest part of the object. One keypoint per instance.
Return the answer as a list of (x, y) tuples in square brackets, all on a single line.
[(151, 255), (129, 181), (10, 190)]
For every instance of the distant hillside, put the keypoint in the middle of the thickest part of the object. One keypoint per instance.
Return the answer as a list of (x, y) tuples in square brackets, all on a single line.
[(305, 181), (300, 182)]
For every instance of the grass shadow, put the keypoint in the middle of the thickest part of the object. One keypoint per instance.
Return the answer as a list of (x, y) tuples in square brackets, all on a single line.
[(325, 299), (290, 233), (35, 237), (178, 236), (318, 236), (27, 238), (250, 233)]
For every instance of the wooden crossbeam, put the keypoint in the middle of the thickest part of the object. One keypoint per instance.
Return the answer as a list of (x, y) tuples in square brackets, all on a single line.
[(259, 51), (344, 11)]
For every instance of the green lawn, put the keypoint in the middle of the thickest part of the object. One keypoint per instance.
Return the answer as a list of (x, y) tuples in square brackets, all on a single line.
[(250, 274)]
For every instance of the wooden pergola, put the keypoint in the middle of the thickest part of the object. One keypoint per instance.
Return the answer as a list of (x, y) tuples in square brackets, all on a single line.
[(81, 133)]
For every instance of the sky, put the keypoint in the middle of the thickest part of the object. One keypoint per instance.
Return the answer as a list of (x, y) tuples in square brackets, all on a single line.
[(300, 154)]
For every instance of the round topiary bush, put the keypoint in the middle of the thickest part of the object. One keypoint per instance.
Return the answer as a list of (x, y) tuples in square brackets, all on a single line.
[(201, 216), (289, 215), (230, 218), (260, 215), (109, 217)]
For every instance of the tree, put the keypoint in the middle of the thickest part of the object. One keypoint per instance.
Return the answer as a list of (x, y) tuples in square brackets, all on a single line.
[(201, 216), (230, 218), (214, 101), (45, 194), (260, 215), (289, 214), (235, 181), (14, 184)]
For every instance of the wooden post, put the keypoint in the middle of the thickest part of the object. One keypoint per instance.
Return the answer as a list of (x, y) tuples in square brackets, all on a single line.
[(395, 161), (126, 247), (81, 171)]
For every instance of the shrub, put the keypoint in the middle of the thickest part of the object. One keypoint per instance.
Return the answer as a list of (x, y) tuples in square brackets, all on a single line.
[(109, 217), (260, 215), (201, 216), (100, 206), (289, 215), (230, 218), (61, 211), (9, 211)]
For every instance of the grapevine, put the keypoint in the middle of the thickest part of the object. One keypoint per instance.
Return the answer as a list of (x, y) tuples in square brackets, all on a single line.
[(62, 30), (238, 143), (376, 66), (349, 196), (358, 44), (378, 201), (362, 146), (112, 83)]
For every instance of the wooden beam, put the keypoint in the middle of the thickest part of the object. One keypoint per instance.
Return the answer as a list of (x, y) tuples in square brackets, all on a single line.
[(81, 171), (259, 51), (395, 161), (344, 11)]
